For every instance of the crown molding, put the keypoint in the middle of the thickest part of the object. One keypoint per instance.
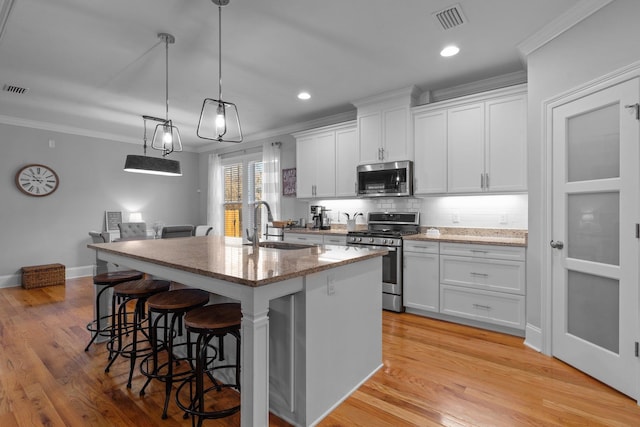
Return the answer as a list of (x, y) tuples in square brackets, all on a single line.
[(72, 130), (562, 23), (497, 82)]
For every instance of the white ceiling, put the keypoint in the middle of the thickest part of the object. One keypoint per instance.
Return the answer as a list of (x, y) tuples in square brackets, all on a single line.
[(95, 67)]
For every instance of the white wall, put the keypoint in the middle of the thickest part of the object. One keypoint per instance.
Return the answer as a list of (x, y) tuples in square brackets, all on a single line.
[(602, 43), (54, 229)]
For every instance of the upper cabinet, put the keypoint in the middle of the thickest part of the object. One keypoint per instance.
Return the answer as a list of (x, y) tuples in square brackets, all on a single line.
[(384, 123), (326, 160), (472, 144)]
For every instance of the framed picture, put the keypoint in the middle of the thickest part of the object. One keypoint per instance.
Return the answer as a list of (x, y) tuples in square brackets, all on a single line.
[(112, 219), (289, 182)]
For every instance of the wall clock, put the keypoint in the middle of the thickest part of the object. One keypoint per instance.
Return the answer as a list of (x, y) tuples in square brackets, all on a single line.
[(37, 180)]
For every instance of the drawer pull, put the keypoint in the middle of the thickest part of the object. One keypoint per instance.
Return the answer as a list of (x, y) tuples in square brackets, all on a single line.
[(479, 274), (478, 251), (484, 307)]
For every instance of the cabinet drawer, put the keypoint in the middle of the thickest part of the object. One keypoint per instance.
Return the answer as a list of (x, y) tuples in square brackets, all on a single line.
[(335, 240), (426, 247), (312, 239), (491, 307), (489, 274), (483, 251)]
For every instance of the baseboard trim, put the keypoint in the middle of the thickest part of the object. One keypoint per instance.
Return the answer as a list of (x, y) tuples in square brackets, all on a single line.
[(533, 337)]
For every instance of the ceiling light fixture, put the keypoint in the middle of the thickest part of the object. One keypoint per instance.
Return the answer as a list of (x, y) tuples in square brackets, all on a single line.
[(450, 50), (151, 165), (166, 137), (304, 96), (219, 119)]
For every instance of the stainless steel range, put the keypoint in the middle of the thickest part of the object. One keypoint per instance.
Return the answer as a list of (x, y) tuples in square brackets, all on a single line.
[(386, 229)]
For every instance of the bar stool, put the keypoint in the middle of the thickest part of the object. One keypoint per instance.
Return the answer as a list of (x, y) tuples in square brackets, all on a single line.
[(138, 291), (209, 322), (106, 281), (169, 306)]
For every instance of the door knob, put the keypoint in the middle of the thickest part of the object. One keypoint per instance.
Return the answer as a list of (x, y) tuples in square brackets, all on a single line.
[(556, 245)]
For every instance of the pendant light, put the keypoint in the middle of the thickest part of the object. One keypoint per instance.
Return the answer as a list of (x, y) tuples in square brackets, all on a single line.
[(151, 165), (219, 119), (166, 137)]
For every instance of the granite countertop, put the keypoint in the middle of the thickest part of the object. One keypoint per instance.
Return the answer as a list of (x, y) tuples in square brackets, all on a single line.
[(223, 259), (483, 236)]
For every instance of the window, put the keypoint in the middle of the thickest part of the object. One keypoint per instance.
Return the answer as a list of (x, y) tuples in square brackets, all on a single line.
[(242, 188)]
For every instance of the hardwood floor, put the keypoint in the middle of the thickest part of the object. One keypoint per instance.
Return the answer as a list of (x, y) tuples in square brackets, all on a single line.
[(435, 374)]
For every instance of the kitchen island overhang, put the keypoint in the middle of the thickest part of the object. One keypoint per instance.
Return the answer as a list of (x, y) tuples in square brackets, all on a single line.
[(326, 303)]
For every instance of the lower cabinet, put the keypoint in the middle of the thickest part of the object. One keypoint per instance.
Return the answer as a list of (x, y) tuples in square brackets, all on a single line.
[(481, 285), (315, 239), (304, 238), (421, 275), (484, 283)]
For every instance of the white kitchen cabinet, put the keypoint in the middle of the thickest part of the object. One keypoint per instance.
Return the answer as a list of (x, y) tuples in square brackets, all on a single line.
[(326, 160), (421, 275), (465, 148), (483, 283), (430, 162), (303, 238), (487, 146), (383, 127), (334, 239), (346, 161), (471, 144), (315, 161)]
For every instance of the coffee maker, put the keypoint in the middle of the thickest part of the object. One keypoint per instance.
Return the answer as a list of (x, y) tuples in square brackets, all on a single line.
[(316, 216)]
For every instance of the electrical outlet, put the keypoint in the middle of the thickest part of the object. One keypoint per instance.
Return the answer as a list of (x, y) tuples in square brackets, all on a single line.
[(504, 218), (455, 217), (331, 285)]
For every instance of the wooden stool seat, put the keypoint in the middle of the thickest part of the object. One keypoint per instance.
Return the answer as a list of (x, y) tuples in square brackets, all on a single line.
[(214, 319), (179, 299), (141, 288)]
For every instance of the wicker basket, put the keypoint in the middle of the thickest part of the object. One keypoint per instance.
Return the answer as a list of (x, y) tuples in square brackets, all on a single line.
[(38, 276)]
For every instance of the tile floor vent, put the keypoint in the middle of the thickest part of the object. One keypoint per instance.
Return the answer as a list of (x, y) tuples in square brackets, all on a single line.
[(450, 17), (15, 89)]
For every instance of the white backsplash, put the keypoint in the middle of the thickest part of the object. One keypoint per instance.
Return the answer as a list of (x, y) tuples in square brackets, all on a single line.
[(482, 211)]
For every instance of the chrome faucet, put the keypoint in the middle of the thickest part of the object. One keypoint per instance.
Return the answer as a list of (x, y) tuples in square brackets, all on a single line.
[(255, 239)]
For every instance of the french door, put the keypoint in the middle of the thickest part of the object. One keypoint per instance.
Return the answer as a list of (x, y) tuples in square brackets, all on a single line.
[(596, 176)]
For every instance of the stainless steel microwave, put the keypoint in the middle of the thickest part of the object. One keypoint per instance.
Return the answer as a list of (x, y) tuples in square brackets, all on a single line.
[(385, 179)]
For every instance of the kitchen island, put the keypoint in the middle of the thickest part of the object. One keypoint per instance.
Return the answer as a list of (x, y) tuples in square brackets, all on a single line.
[(316, 311)]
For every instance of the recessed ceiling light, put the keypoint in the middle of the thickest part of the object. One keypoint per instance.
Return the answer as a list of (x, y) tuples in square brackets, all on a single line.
[(450, 51), (304, 95)]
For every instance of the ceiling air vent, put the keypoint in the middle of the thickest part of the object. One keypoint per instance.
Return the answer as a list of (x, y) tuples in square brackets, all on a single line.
[(450, 17), (15, 89)]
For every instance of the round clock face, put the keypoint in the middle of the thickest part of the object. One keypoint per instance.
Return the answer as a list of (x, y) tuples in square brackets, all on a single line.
[(37, 180)]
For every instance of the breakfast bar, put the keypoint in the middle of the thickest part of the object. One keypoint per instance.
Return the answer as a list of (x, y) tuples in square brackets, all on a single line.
[(317, 307)]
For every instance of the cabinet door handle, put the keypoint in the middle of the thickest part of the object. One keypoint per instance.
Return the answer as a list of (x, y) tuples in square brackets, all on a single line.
[(482, 181), (486, 181), (479, 274), (484, 307)]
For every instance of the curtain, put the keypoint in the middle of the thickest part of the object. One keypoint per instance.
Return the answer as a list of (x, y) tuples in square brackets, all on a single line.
[(271, 180), (215, 210)]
